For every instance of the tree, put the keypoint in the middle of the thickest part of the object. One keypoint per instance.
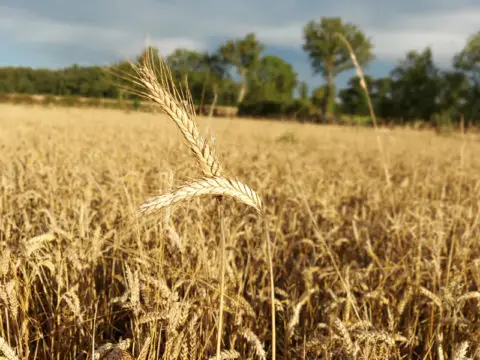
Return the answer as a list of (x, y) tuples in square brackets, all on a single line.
[(453, 92), (188, 69), (25, 86), (303, 90), (382, 98), (329, 56), (468, 62), (216, 72), (273, 80), (244, 54), (183, 63), (318, 95), (228, 91), (353, 98), (417, 85), (7, 81)]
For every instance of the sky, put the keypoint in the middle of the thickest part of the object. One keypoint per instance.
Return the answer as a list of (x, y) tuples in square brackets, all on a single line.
[(58, 33)]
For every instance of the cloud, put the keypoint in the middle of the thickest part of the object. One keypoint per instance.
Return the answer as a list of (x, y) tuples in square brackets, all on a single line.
[(446, 32), (118, 28), (28, 28)]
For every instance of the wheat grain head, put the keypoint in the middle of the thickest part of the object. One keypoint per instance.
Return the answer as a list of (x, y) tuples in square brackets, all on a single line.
[(218, 185), (7, 351), (159, 88)]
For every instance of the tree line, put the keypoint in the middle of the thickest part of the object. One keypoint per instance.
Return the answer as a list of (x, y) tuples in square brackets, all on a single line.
[(240, 74)]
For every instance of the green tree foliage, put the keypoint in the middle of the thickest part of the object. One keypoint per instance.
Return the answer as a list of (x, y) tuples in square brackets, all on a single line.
[(417, 84), (244, 54), (454, 92), (318, 95), (303, 90), (215, 69), (74, 80), (272, 84), (382, 98), (468, 62), (354, 102), (273, 80), (204, 75), (185, 65), (468, 59), (267, 86), (353, 99), (329, 56)]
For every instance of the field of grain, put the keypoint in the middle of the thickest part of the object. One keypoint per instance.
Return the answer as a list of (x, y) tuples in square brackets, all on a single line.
[(362, 270)]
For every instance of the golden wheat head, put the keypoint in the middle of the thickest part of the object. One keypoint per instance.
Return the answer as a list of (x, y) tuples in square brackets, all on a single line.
[(218, 185), (159, 88), (6, 351)]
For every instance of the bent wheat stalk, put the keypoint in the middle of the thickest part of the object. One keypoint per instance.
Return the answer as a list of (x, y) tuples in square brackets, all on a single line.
[(160, 89), (363, 84)]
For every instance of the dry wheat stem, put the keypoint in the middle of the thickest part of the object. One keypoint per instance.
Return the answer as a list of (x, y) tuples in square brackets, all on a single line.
[(363, 84), (208, 186), (272, 286), (222, 281)]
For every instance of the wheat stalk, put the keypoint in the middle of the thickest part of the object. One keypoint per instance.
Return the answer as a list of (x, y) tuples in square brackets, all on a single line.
[(296, 312), (363, 84), (144, 352), (162, 91)]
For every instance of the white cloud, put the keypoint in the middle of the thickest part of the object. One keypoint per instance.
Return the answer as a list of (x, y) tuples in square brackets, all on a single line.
[(445, 32), (120, 27), (24, 27)]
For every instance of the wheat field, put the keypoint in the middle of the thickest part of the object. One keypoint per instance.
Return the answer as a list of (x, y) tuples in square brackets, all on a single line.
[(362, 270)]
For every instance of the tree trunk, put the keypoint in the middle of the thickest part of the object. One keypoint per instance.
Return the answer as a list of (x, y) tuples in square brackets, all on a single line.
[(202, 98), (243, 88), (329, 101), (185, 81), (214, 102)]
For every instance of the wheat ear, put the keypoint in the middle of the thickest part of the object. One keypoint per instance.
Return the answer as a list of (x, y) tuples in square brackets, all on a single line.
[(160, 89), (208, 186), (7, 351)]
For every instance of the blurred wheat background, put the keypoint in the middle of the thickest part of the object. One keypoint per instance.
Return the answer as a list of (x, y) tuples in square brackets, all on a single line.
[(362, 270)]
